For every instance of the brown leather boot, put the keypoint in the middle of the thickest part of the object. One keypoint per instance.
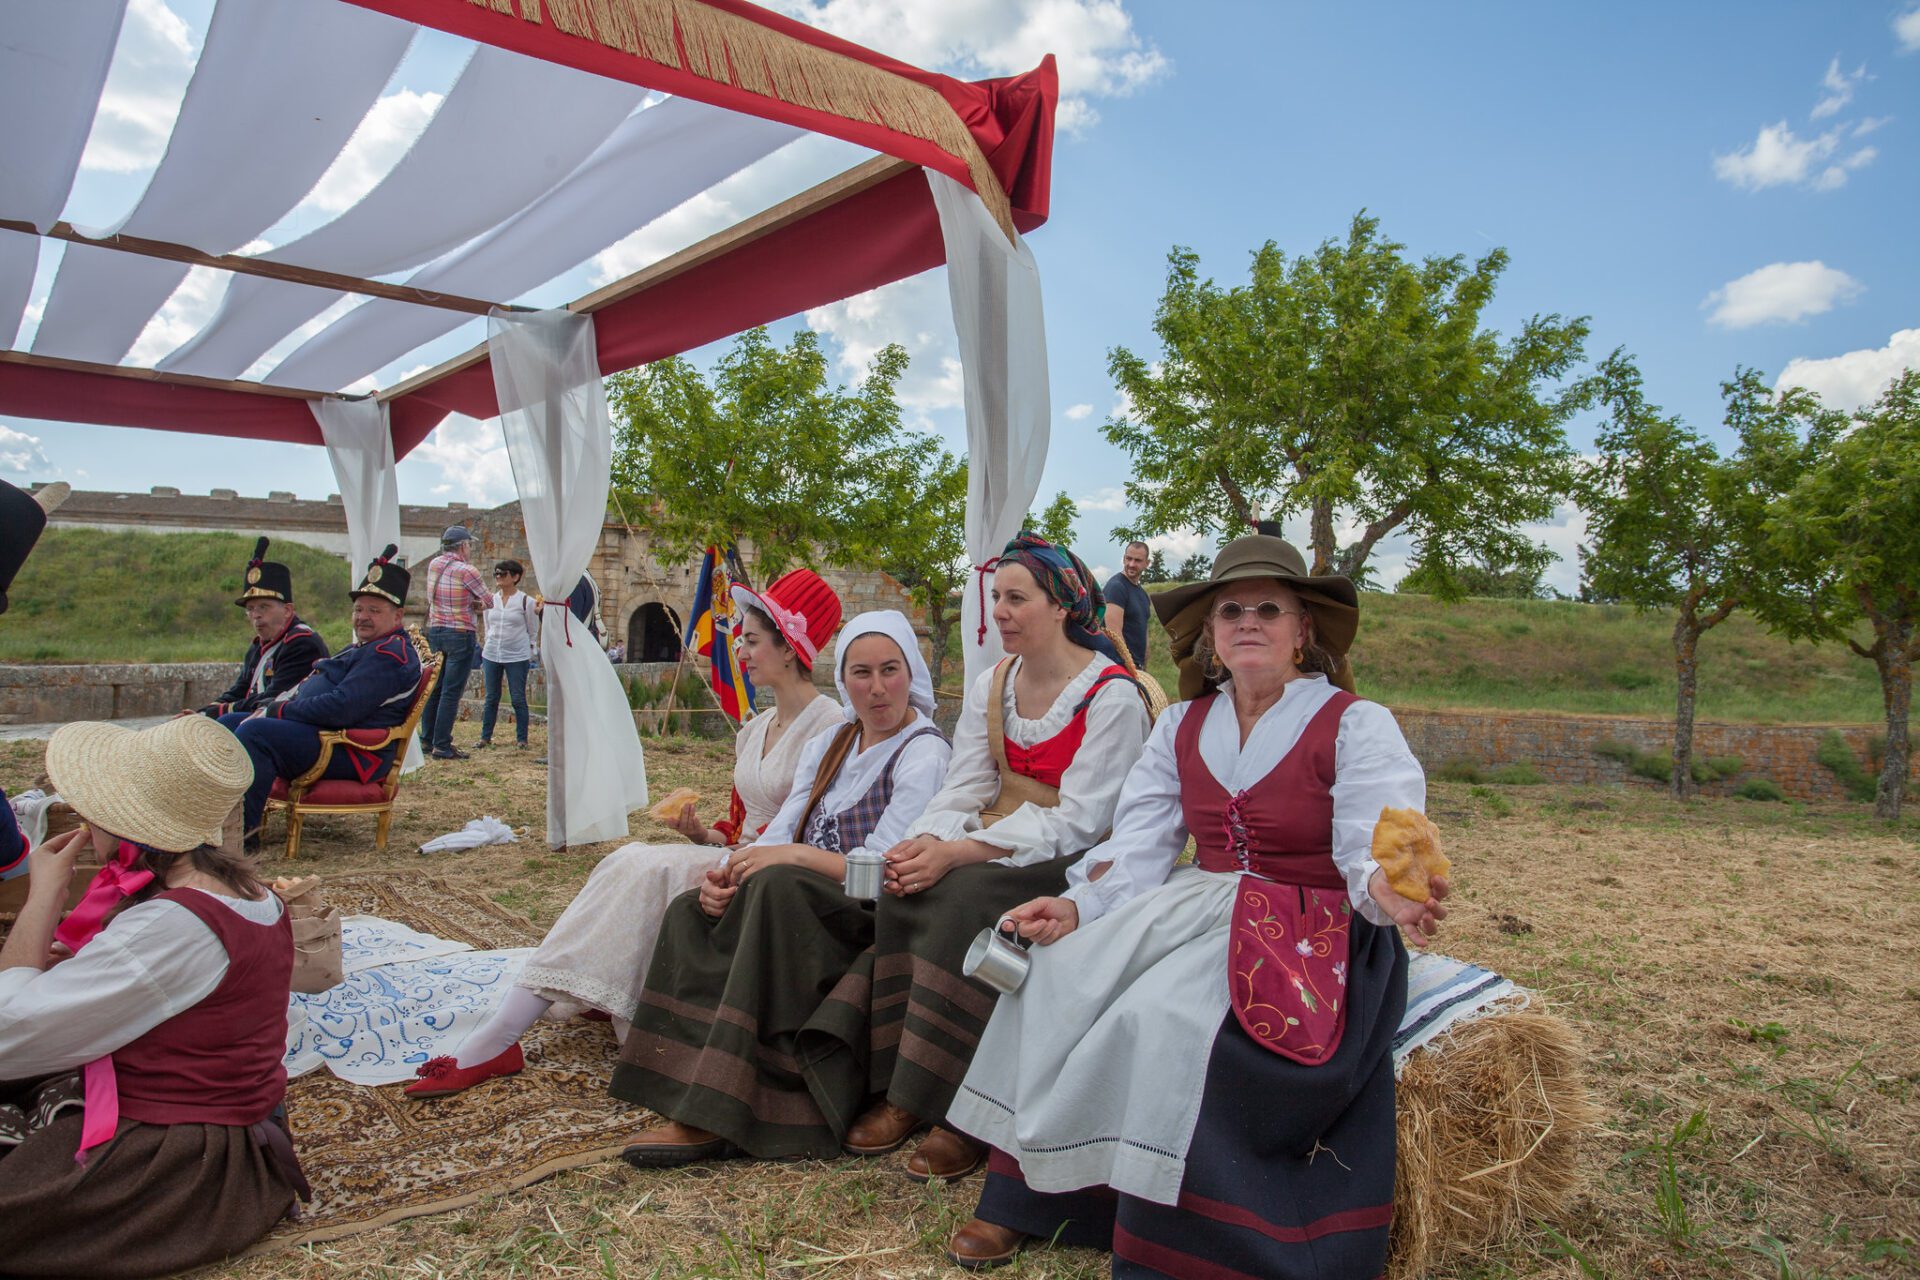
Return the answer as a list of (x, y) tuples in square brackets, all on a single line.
[(674, 1144), (946, 1154), (882, 1129), (980, 1245)]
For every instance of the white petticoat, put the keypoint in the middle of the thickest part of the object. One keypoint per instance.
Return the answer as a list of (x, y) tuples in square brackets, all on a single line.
[(1092, 1073), (597, 952)]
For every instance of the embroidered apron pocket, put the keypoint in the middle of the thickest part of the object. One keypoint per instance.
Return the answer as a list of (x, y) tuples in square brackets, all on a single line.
[(1287, 967)]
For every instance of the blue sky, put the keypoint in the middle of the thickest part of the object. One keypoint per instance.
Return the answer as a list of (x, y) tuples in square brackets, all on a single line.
[(1712, 184)]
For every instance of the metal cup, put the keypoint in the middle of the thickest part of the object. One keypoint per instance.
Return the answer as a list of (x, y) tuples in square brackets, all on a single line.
[(999, 958), (866, 872)]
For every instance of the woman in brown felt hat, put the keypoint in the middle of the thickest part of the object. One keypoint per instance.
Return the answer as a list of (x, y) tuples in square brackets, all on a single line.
[(163, 1006), (1276, 950)]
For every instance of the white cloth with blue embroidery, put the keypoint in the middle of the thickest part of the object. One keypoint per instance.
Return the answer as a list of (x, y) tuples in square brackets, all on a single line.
[(407, 997)]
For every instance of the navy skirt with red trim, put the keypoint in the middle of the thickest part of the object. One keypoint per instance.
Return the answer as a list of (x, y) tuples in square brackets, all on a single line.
[(1290, 1172)]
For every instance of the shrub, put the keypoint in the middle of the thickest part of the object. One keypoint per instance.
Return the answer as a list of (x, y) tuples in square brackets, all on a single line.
[(1715, 768), (1460, 769), (1631, 678), (1834, 753), (1657, 765), (1517, 774), (1760, 789), (1614, 749)]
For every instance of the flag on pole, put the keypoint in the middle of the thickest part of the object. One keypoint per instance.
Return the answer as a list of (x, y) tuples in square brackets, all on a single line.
[(713, 630)]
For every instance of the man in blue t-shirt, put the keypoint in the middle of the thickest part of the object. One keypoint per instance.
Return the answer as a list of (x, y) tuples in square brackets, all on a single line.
[(1128, 606)]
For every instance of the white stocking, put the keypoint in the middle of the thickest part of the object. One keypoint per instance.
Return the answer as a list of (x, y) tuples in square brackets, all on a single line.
[(520, 1010)]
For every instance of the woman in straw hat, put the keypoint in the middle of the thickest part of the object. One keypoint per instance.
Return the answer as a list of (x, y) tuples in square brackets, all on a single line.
[(174, 1012), (1042, 746), (595, 956), (1270, 1152), (760, 953)]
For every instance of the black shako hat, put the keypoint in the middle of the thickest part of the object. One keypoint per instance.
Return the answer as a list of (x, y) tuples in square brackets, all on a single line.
[(385, 579), (23, 516), (265, 580)]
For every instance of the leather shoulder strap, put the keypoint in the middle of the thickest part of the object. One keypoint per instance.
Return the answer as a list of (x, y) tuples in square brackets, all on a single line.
[(830, 764), (997, 715)]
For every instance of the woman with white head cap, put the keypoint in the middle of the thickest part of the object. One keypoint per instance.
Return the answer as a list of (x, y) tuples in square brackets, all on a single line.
[(173, 1012), (713, 1044), (595, 956)]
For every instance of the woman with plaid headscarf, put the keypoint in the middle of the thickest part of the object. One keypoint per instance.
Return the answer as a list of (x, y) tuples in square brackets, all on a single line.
[(1042, 745)]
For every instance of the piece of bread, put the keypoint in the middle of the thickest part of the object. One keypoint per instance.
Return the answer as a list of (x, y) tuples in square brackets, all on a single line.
[(669, 809), (1407, 847)]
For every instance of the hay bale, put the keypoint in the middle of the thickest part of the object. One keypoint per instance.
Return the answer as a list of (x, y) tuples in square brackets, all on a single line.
[(1490, 1121)]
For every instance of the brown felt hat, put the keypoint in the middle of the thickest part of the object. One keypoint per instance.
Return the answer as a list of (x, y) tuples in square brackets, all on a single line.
[(1330, 598)]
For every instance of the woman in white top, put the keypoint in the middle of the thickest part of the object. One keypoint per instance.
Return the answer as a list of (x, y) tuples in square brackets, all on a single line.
[(1197, 1072), (512, 645), (773, 945), (595, 956), (1040, 751), (174, 1013)]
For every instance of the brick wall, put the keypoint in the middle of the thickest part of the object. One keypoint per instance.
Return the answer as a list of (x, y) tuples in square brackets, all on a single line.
[(1561, 748)]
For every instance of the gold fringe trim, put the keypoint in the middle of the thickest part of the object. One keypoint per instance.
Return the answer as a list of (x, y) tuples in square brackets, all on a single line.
[(728, 49)]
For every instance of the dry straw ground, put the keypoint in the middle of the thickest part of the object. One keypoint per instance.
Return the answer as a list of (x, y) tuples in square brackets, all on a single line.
[(1742, 975)]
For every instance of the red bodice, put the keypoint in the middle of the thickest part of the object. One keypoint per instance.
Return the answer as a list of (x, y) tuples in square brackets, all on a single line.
[(1048, 761)]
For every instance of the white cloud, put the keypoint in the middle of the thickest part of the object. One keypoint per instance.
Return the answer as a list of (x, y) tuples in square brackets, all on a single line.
[(382, 138), (1778, 157), (141, 97), (20, 452), (1840, 86), (1858, 377), (463, 459), (1078, 412), (1178, 545), (1098, 52), (1780, 291), (1111, 498), (1906, 29), (183, 314), (916, 313), (1867, 126)]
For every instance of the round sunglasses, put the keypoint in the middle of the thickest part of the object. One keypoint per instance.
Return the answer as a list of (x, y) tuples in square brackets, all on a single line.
[(1267, 611)]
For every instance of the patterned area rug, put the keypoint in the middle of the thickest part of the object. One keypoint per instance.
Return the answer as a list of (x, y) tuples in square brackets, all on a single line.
[(375, 1157)]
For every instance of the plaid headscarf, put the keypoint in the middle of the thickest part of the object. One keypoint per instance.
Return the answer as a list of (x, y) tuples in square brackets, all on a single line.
[(1066, 580)]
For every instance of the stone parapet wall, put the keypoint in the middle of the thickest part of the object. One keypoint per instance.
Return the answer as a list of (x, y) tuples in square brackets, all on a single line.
[(108, 691), (1562, 748)]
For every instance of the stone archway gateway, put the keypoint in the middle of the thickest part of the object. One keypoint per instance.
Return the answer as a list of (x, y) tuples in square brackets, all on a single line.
[(653, 634)]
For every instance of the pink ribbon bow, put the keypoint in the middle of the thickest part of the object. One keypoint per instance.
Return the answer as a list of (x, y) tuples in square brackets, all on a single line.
[(112, 883)]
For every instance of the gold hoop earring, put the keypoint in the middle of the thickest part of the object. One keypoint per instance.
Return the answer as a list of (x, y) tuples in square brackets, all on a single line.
[(1213, 670), (1298, 654)]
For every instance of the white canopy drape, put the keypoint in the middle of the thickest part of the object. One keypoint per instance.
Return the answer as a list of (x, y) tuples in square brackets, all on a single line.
[(553, 408), (995, 287)]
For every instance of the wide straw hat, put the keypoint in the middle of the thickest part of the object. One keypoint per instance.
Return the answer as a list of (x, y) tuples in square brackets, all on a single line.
[(1330, 598), (802, 606), (170, 787)]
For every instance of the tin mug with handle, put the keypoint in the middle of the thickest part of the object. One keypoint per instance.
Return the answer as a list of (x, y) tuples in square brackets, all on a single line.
[(999, 957), (865, 873)]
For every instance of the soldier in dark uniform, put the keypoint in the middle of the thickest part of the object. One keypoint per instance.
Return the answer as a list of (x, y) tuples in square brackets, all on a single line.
[(284, 648), (368, 685)]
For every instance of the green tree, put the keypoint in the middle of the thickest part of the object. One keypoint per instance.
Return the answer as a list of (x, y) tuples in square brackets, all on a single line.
[(1349, 384), (1673, 525), (1850, 525), (1055, 523), (1194, 568), (769, 452), (1156, 570), (924, 546), (1487, 577)]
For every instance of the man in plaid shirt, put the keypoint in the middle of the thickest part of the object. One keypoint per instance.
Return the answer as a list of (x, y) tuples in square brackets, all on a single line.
[(456, 597)]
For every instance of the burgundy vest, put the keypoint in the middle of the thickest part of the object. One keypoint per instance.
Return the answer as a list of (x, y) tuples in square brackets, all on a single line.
[(1281, 828), (220, 1061)]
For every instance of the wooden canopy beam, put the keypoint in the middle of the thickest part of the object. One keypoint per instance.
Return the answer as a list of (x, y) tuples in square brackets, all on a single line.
[(242, 265), (132, 374)]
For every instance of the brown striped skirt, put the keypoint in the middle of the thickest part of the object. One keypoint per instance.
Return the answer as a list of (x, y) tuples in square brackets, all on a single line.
[(907, 1012), (717, 1039), (154, 1200)]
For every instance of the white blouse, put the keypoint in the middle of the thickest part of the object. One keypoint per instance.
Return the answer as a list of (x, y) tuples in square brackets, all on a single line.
[(923, 762), (152, 962), (1089, 789), (765, 778), (1373, 769), (513, 629)]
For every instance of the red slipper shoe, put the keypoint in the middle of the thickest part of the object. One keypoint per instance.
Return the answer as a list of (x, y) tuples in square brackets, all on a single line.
[(442, 1076)]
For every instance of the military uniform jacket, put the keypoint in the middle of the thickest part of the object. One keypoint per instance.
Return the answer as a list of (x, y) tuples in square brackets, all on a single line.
[(364, 686), (271, 669)]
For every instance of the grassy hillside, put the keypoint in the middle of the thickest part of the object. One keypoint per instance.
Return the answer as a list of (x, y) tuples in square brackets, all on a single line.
[(87, 595), (1554, 655)]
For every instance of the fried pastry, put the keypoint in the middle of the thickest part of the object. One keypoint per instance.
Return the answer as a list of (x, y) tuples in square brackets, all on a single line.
[(1407, 847), (677, 799)]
